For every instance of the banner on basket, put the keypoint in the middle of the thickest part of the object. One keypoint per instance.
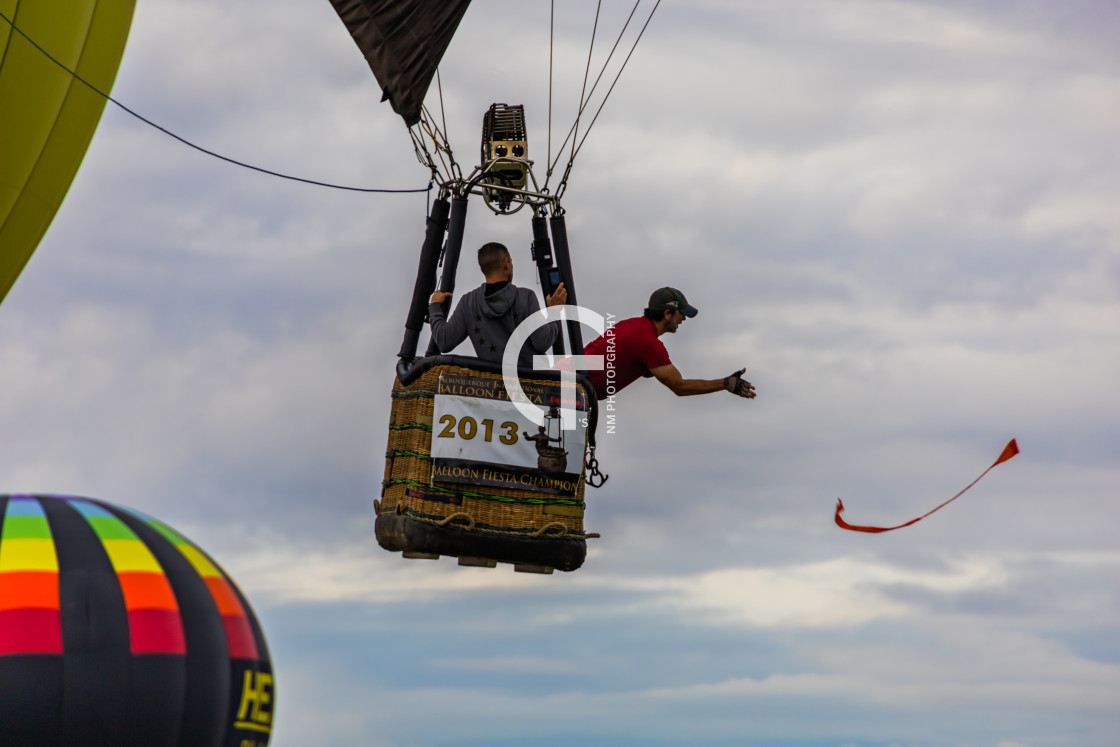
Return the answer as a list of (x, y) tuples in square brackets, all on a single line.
[(479, 437)]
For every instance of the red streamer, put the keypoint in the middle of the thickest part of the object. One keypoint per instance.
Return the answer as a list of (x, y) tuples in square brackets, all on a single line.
[(1009, 451)]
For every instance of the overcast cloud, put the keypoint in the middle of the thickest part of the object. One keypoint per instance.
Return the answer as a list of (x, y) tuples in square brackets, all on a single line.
[(901, 217)]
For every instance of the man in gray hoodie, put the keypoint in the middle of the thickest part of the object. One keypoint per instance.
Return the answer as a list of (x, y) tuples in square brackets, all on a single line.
[(489, 313)]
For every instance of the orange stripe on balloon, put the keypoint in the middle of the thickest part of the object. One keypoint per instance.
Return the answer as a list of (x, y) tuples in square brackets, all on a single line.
[(20, 589), (147, 591), (227, 601)]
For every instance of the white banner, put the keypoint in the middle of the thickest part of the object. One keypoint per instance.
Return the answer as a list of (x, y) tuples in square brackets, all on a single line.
[(482, 430), (480, 437)]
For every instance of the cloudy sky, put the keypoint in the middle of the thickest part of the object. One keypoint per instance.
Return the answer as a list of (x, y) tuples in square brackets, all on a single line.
[(901, 217)]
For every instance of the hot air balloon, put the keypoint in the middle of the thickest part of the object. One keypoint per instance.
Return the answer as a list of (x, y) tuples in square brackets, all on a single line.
[(47, 116), (116, 629), (468, 473)]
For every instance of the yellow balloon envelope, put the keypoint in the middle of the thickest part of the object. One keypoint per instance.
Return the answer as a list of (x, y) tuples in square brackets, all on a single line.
[(47, 117)]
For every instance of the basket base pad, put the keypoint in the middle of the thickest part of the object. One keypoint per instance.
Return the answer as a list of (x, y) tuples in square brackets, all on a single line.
[(398, 533)]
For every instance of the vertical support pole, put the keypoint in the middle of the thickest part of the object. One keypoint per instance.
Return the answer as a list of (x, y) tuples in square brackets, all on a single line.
[(425, 278), (564, 263), (542, 251), (451, 257)]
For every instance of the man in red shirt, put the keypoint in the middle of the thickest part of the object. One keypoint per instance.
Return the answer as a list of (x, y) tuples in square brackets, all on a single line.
[(631, 349)]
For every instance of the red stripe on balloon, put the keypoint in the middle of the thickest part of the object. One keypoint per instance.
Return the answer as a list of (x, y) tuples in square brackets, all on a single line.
[(156, 631), (242, 642), (1009, 451), (30, 631)]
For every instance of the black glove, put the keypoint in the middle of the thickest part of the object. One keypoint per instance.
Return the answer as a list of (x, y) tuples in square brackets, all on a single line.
[(736, 384)]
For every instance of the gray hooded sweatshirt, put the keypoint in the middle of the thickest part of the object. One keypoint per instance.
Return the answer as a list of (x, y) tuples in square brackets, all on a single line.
[(489, 321)]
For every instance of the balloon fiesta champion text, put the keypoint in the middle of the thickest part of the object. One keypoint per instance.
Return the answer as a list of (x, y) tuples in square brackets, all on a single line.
[(513, 480)]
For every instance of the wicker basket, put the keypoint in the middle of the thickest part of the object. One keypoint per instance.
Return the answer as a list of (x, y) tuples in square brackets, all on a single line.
[(502, 523)]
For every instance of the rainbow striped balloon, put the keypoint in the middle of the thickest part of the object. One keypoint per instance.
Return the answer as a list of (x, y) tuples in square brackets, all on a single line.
[(116, 629)]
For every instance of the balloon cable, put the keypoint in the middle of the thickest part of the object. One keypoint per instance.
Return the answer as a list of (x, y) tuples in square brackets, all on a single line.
[(551, 44), (587, 70), (184, 141), (585, 101), (615, 81)]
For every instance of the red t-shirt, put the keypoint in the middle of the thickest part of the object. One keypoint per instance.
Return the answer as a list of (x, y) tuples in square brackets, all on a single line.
[(630, 349)]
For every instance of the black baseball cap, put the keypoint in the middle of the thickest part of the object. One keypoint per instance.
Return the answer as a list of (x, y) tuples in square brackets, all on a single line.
[(671, 298)]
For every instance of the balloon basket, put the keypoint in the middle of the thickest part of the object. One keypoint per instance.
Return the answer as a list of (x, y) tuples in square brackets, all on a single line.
[(421, 517)]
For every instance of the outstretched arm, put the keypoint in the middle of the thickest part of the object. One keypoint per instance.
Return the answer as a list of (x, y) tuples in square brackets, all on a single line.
[(682, 387)]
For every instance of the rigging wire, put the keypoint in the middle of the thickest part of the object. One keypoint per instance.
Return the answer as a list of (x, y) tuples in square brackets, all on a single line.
[(442, 109), (425, 128), (616, 77), (440, 143), (423, 156), (602, 71), (551, 43), (454, 171), (587, 70), (186, 142)]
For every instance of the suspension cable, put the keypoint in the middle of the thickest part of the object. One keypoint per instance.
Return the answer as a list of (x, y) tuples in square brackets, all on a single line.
[(442, 110), (456, 173), (609, 90), (602, 71), (551, 43), (423, 156), (587, 71), (441, 143)]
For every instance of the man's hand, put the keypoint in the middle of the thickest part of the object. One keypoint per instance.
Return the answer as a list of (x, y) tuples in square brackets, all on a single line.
[(739, 386), (439, 297), (559, 296)]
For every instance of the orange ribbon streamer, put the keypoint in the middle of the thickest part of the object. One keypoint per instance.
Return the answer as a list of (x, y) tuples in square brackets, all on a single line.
[(1009, 451)]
